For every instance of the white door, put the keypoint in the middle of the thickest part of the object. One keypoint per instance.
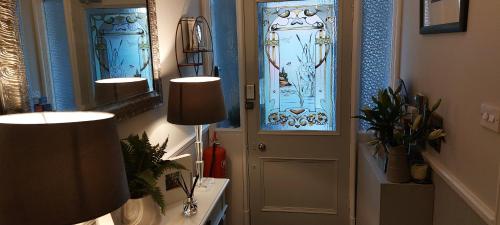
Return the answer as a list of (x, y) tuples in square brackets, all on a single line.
[(298, 56)]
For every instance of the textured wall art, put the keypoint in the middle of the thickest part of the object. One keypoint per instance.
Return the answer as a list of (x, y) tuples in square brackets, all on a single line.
[(13, 85)]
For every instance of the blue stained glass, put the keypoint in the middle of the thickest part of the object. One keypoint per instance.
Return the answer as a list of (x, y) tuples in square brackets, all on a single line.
[(60, 64), (120, 43), (297, 65), (225, 36), (376, 49)]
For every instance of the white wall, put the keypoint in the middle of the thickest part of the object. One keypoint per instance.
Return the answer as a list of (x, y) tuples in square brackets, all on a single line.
[(462, 69), (155, 122)]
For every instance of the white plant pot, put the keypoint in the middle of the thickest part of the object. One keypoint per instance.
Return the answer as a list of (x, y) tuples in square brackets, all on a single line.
[(142, 211)]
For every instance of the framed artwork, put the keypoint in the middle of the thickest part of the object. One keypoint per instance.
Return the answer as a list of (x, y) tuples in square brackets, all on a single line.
[(443, 16)]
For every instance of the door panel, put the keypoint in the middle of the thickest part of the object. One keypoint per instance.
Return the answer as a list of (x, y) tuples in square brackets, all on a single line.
[(307, 195), (302, 113)]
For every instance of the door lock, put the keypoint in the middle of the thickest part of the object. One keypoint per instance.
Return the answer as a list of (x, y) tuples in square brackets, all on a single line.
[(261, 147)]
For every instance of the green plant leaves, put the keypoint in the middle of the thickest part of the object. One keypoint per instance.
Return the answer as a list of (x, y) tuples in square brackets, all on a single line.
[(436, 134), (436, 105), (144, 166), (388, 119)]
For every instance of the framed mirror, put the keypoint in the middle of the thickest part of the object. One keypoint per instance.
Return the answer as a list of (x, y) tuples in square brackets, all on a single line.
[(69, 55), (443, 16)]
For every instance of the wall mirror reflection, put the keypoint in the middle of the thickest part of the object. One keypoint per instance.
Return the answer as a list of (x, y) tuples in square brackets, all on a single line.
[(87, 54)]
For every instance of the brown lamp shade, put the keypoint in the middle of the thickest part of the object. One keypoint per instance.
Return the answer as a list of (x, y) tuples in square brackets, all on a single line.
[(117, 89), (195, 101), (59, 168)]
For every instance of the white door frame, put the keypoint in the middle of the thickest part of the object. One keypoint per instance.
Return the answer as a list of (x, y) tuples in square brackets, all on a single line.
[(355, 82), (205, 11), (355, 89)]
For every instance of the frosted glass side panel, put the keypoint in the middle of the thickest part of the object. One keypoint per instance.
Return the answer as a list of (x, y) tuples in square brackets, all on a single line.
[(297, 65), (60, 64), (376, 49), (120, 43), (225, 41)]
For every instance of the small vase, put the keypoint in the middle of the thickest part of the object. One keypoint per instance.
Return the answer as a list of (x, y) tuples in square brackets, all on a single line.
[(141, 211), (398, 169), (190, 207)]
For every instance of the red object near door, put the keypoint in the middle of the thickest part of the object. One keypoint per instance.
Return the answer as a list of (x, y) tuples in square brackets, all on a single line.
[(215, 161)]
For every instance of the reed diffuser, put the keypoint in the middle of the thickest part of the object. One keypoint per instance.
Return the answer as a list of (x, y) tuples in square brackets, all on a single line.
[(190, 204)]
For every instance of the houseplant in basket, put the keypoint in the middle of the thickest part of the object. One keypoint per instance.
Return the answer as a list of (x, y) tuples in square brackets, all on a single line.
[(144, 166)]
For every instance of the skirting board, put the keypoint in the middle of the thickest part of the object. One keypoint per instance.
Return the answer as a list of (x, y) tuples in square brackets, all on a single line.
[(474, 202)]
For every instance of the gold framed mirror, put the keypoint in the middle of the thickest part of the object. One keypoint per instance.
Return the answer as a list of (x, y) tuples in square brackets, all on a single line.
[(66, 55)]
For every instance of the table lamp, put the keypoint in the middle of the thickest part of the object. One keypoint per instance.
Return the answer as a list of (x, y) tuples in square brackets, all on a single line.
[(59, 168), (196, 101), (117, 89)]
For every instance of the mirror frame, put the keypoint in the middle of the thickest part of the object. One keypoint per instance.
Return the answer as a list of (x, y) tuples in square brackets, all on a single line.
[(14, 97), (459, 26)]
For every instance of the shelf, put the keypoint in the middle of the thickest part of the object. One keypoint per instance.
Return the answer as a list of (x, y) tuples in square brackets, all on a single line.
[(189, 64), (193, 42)]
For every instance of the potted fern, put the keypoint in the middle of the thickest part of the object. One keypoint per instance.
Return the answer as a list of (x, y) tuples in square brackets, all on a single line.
[(144, 166)]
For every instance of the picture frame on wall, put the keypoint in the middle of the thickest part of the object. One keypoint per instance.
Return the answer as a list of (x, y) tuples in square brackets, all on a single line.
[(443, 16)]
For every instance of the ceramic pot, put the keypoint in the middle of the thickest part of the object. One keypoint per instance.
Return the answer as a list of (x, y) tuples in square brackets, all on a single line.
[(398, 169), (141, 211), (419, 172)]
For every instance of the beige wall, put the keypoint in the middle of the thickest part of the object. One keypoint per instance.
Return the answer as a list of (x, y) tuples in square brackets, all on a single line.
[(155, 122), (464, 70), (450, 208)]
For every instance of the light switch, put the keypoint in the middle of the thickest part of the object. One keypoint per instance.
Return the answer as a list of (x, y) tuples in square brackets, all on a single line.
[(250, 92), (490, 117)]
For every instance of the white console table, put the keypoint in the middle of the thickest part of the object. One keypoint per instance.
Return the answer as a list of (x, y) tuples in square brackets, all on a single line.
[(211, 207)]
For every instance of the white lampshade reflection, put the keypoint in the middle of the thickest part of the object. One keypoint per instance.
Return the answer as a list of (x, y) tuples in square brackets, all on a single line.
[(117, 89)]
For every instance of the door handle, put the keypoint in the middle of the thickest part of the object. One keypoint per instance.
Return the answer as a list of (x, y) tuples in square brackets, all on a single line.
[(261, 147)]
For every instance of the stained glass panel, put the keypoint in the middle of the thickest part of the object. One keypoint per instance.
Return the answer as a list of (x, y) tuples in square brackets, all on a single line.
[(297, 65), (120, 43)]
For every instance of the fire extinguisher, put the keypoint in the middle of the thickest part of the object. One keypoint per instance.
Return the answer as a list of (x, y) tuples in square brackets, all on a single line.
[(215, 160)]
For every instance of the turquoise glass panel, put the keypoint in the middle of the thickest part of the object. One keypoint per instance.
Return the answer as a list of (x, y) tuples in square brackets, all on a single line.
[(60, 64), (225, 41), (376, 49), (120, 43), (297, 65)]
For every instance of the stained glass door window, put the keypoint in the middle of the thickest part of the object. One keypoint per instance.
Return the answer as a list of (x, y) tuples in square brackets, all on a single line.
[(297, 65)]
